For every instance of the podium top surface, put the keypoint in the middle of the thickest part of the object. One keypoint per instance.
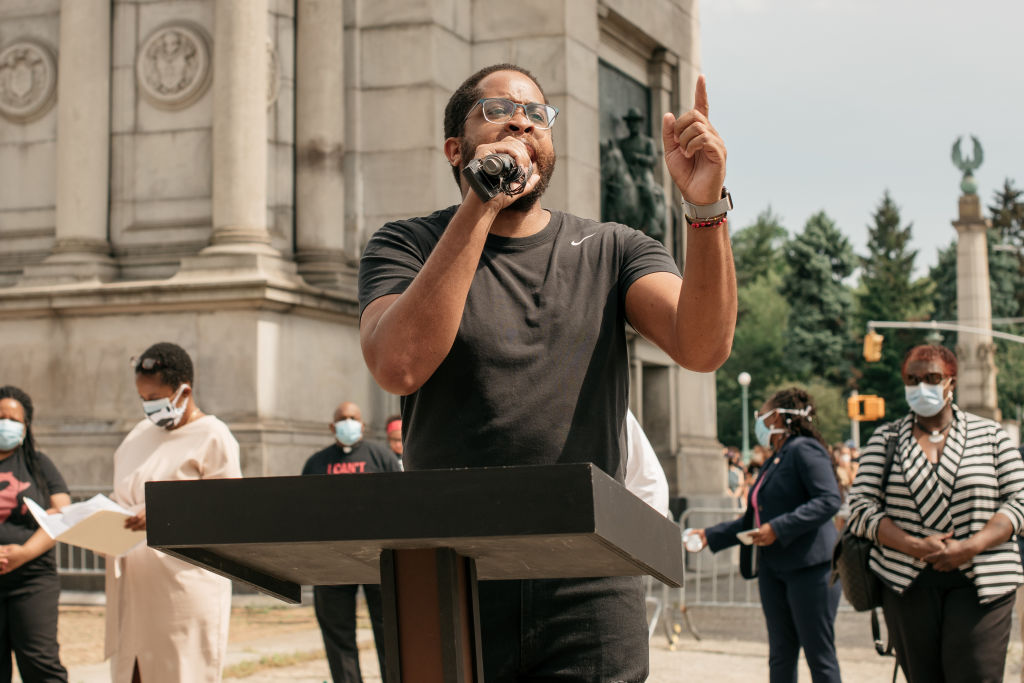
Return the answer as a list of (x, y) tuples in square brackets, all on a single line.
[(278, 533)]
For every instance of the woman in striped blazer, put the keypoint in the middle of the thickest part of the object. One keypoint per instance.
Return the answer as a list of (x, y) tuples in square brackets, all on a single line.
[(942, 528)]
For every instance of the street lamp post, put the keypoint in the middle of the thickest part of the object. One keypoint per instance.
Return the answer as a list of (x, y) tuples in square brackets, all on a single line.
[(744, 380)]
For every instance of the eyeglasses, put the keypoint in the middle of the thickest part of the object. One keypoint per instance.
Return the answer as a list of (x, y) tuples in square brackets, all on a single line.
[(147, 364), (930, 378), (500, 110)]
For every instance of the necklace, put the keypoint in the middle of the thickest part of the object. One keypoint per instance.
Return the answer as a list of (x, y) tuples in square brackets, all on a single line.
[(936, 434)]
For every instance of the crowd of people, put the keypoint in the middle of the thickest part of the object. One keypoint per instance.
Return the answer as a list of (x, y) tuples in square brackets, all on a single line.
[(166, 620), (475, 316), (942, 528)]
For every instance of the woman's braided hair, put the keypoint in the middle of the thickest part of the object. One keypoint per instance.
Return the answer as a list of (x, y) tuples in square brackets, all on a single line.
[(800, 413), (28, 446)]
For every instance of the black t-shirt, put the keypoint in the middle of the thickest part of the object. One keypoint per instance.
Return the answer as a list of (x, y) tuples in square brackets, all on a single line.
[(362, 458), (16, 523), (538, 373)]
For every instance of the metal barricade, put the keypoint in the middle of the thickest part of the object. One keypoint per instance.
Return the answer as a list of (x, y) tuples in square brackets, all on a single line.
[(710, 579), (74, 561)]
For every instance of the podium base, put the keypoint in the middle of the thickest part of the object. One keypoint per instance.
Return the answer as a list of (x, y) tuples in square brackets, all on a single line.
[(431, 617)]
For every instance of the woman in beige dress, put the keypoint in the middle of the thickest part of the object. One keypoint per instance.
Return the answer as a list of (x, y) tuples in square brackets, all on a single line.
[(167, 620)]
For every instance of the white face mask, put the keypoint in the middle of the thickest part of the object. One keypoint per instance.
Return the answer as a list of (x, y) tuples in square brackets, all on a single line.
[(164, 412)]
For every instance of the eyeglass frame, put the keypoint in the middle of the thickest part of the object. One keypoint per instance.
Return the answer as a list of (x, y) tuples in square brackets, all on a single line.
[(515, 107), (915, 379)]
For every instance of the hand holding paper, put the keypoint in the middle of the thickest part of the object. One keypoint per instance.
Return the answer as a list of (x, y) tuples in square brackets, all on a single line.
[(96, 524)]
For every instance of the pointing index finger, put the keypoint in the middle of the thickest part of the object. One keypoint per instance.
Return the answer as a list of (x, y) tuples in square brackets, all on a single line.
[(700, 96)]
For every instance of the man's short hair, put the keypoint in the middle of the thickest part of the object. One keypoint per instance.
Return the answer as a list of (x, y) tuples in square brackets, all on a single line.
[(169, 362), (465, 98)]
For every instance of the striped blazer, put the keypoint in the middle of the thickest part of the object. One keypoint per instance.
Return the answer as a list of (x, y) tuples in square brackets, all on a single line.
[(979, 473)]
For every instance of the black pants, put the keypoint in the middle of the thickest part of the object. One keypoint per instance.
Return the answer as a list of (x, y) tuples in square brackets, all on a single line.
[(800, 611), (28, 625), (335, 608), (564, 631), (942, 634)]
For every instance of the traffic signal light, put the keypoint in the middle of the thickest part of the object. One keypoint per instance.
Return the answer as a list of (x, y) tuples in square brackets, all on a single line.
[(865, 408), (873, 346)]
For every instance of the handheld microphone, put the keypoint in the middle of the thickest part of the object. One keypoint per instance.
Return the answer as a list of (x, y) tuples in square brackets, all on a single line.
[(499, 165), (496, 173)]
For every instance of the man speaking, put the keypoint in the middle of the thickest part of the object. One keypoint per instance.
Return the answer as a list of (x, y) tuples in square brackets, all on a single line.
[(502, 326)]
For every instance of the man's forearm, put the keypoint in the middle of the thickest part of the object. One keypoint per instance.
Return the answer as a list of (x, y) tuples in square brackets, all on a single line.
[(706, 313), (405, 339)]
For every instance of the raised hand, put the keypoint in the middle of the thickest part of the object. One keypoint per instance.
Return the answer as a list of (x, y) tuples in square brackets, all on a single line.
[(694, 152)]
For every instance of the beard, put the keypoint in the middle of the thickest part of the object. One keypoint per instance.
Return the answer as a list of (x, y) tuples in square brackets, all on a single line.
[(544, 167)]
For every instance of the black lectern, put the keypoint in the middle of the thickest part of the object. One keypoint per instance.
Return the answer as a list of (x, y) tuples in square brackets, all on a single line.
[(426, 536)]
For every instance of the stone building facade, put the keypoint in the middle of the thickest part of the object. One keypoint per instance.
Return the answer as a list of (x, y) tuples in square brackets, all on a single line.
[(207, 172)]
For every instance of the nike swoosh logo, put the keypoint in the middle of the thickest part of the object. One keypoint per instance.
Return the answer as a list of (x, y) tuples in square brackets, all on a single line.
[(576, 244)]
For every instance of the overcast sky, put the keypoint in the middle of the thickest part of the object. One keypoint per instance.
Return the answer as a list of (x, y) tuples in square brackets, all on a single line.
[(824, 104)]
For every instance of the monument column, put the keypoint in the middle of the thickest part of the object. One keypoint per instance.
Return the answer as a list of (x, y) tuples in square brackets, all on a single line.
[(240, 129), (81, 250), (976, 381), (319, 144)]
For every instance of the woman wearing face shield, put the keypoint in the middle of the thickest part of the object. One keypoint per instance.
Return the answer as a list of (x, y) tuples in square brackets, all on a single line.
[(29, 586), (167, 620), (942, 528), (789, 524)]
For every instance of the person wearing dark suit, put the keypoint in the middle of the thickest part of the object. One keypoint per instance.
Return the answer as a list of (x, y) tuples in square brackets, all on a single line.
[(790, 508)]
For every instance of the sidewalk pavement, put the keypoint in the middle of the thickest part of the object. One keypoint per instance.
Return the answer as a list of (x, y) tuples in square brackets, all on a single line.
[(732, 649)]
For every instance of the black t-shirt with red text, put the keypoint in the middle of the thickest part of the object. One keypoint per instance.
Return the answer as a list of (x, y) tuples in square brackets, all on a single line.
[(361, 458), (16, 523)]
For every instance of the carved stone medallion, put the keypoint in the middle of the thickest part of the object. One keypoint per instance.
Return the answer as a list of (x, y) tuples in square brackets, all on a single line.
[(28, 80), (173, 65)]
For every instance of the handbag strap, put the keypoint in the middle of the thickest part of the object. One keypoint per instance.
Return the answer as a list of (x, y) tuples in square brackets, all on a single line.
[(890, 453), (881, 647)]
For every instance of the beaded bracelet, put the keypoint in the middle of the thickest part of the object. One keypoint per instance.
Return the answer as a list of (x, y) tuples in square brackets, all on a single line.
[(709, 223)]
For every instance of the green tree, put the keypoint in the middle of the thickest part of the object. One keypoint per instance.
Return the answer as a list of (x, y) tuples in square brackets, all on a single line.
[(1006, 275), (757, 248), (943, 276), (889, 292), (1006, 251), (818, 261), (758, 348)]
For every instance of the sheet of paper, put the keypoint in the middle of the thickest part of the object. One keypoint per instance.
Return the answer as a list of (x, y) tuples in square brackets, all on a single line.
[(103, 532), (96, 524), (52, 524)]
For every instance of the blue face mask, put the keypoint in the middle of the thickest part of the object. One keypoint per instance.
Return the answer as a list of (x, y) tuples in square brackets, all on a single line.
[(12, 433), (926, 399), (348, 431), (763, 432)]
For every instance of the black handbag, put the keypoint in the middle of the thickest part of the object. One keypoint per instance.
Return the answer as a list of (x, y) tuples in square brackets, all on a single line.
[(862, 588)]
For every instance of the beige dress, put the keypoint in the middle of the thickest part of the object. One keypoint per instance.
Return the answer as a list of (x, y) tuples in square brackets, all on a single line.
[(169, 615)]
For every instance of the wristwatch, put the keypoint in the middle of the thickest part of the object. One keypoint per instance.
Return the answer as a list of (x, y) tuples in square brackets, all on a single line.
[(695, 212)]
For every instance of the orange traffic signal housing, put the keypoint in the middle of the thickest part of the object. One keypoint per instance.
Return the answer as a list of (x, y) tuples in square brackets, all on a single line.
[(865, 408), (873, 346)]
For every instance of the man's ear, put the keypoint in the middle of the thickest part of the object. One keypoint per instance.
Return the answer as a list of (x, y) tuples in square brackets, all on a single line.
[(452, 151)]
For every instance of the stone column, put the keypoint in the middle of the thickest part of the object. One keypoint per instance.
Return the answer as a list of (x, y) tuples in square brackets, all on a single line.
[(976, 384), (81, 250), (240, 129), (319, 144)]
